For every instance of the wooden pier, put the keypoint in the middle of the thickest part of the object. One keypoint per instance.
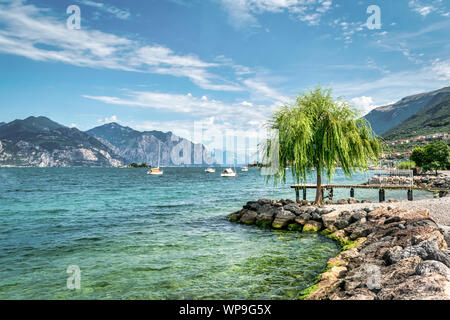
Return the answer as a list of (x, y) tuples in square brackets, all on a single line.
[(352, 188)]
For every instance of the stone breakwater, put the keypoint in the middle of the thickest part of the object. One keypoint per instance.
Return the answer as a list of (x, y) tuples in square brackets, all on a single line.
[(388, 253), (441, 181)]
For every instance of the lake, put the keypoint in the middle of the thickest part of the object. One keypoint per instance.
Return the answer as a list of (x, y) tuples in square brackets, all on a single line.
[(136, 236)]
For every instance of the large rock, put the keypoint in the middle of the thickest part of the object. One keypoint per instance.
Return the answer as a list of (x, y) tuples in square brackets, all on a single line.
[(431, 247), (413, 234), (357, 215), (398, 272), (265, 208), (265, 219), (396, 254), (330, 219), (412, 214), (306, 216), (300, 221), (378, 248), (310, 209), (292, 207), (344, 220), (312, 226), (358, 230), (316, 216), (432, 267), (249, 217), (264, 201), (252, 205), (325, 289), (427, 250), (423, 287), (343, 258), (445, 230), (366, 275), (334, 273), (323, 211), (236, 216), (283, 219)]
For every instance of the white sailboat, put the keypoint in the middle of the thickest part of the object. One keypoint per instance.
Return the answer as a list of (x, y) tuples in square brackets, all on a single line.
[(210, 170), (156, 171), (229, 173), (244, 169)]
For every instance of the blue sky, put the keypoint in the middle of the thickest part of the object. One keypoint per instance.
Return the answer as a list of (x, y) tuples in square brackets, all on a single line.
[(166, 65)]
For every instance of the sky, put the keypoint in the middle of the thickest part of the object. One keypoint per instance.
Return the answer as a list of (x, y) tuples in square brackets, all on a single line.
[(171, 65)]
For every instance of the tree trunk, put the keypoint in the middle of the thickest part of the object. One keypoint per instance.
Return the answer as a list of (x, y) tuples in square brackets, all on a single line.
[(319, 200)]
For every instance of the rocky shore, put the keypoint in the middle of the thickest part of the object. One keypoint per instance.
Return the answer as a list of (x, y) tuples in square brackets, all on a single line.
[(441, 181), (388, 252)]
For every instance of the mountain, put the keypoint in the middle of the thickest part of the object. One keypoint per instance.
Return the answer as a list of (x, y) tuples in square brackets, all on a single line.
[(2, 123), (41, 142), (434, 118), (143, 147), (384, 118)]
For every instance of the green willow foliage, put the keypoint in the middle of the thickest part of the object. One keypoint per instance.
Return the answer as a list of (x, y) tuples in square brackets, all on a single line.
[(321, 133)]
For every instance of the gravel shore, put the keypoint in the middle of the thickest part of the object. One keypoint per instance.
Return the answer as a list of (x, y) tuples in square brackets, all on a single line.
[(439, 208)]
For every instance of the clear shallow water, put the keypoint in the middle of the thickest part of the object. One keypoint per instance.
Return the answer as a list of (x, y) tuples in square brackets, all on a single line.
[(136, 236)]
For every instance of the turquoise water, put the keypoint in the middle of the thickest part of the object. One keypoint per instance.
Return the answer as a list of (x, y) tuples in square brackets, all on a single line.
[(136, 236)]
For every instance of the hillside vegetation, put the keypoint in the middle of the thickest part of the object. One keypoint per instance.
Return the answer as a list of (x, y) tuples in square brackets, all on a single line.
[(434, 118)]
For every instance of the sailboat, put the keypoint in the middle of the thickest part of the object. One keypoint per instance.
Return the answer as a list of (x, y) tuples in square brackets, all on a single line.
[(156, 171), (244, 169), (229, 173), (210, 170)]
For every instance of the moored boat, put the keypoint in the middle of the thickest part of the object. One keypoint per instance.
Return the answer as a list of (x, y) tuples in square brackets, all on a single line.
[(156, 171), (229, 173)]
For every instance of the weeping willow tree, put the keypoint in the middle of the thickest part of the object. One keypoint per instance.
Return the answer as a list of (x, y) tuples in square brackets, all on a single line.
[(320, 133)]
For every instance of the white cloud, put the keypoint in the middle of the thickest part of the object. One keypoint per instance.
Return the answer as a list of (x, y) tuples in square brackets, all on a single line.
[(420, 8), (441, 69), (426, 7), (260, 89), (219, 119), (409, 43), (33, 33), (118, 13), (396, 85), (246, 103), (242, 12), (347, 29), (363, 104), (108, 119), (230, 115), (371, 64)]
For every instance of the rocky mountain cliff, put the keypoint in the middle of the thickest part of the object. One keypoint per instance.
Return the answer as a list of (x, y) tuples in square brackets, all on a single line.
[(435, 118), (143, 147), (41, 142), (2, 123), (385, 118)]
